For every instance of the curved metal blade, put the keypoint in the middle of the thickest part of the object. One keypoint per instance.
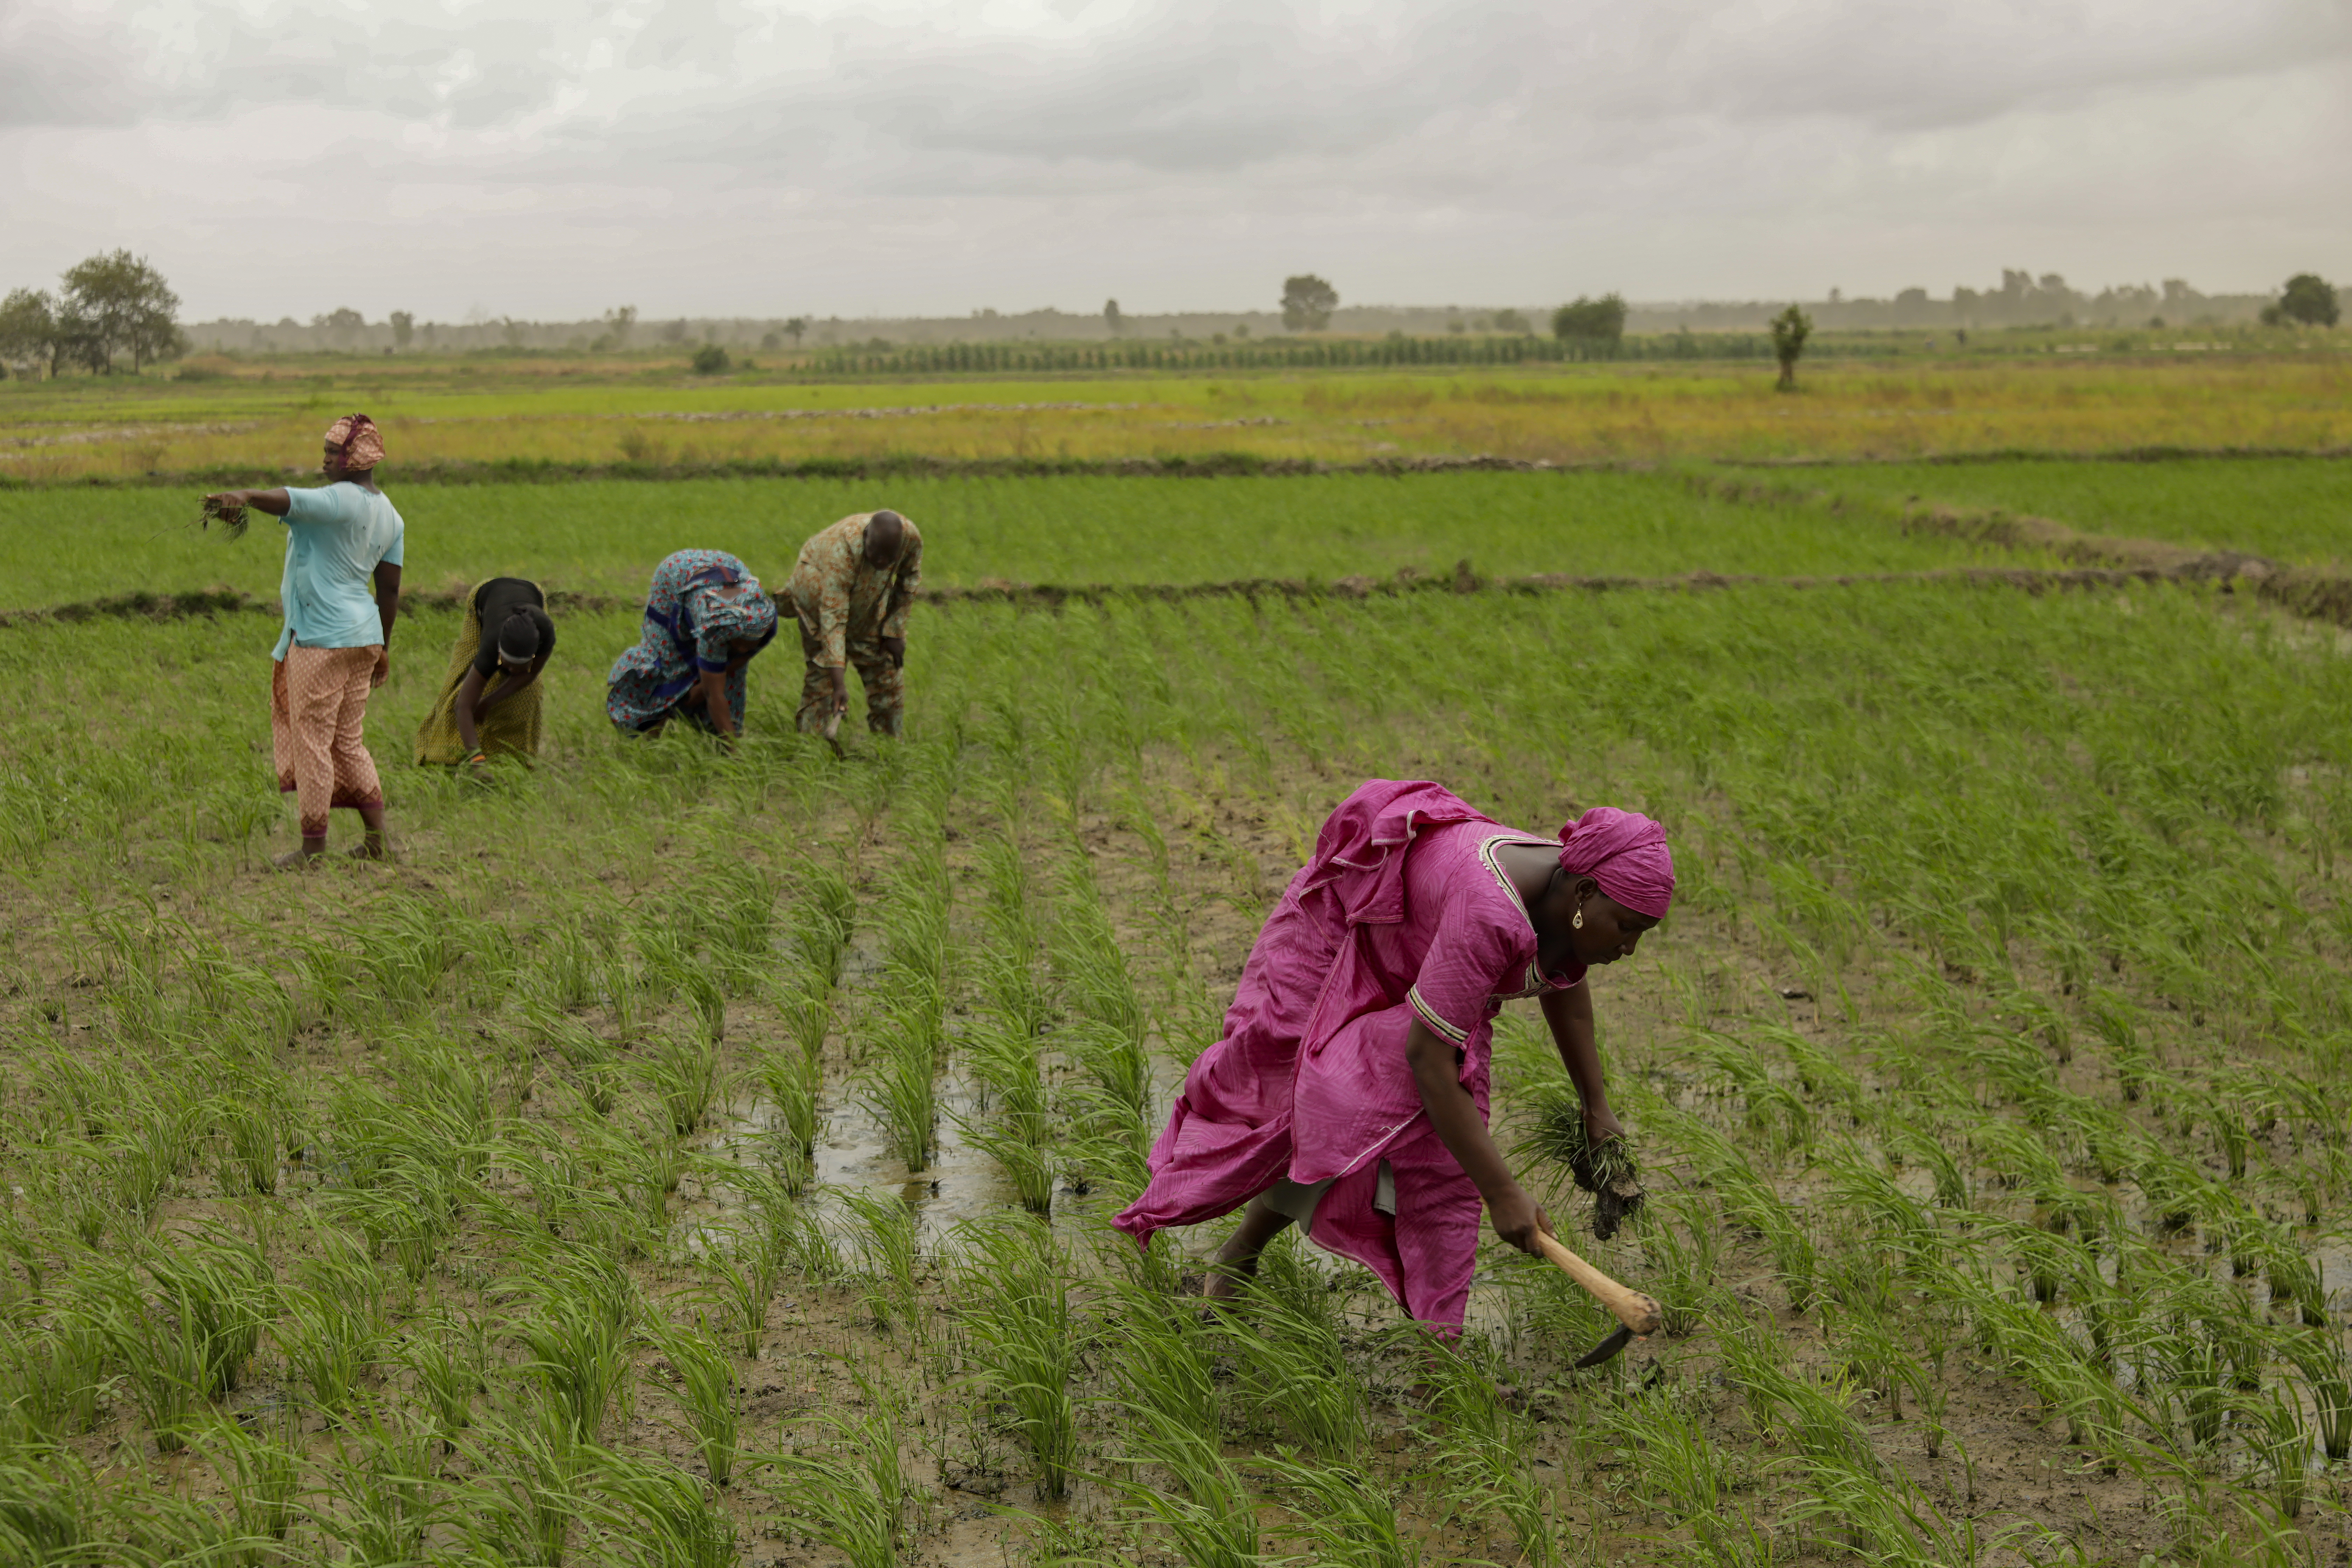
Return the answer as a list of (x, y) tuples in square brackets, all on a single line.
[(1607, 1349)]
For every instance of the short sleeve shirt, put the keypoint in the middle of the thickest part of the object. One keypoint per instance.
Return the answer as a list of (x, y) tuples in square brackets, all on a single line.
[(1482, 952), (336, 536)]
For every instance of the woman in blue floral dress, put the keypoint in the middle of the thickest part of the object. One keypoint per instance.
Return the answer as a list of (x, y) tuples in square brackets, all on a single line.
[(706, 616)]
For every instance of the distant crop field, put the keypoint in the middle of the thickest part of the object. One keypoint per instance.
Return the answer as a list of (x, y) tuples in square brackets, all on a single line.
[(2291, 509), (68, 544), (678, 1157), (260, 419)]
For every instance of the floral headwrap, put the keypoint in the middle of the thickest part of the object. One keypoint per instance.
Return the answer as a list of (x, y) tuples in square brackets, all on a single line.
[(361, 442), (740, 612)]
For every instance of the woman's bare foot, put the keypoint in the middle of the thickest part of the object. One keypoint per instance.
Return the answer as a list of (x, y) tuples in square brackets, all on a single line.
[(1223, 1282), (371, 849)]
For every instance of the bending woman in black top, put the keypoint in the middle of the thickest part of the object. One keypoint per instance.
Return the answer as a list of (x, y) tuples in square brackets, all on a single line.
[(489, 702)]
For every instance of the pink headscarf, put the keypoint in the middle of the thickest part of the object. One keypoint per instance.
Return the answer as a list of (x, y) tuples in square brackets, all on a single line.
[(1626, 853), (361, 442)]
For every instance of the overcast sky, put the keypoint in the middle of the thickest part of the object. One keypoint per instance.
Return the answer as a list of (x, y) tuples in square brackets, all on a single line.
[(769, 157)]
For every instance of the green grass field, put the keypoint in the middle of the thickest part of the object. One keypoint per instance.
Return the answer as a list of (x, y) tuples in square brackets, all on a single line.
[(66, 546), (2293, 510), (678, 1158)]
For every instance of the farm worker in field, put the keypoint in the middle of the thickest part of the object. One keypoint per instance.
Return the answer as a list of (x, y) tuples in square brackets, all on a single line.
[(489, 699), (706, 618), (342, 593), (1349, 1092), (852, 588)]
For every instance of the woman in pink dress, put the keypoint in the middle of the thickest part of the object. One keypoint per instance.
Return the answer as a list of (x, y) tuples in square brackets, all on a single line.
[(1349, 1093)]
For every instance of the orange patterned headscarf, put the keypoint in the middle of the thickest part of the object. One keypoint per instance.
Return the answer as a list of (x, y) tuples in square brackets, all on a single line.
[(361, 442)]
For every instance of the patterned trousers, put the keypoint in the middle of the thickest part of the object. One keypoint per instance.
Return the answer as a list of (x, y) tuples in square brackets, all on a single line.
[(885, 683), (318, 704)]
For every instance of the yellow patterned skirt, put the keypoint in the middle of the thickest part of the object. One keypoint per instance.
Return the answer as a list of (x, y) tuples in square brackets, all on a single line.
[(509, 729)]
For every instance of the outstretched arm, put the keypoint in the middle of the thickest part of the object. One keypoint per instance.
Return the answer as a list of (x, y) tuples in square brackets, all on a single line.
[(1517, 1217), (273, 501), (1570, 1014)]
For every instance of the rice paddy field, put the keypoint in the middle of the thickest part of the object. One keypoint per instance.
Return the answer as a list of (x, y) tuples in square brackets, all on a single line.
[(69, 544), (699, 1160), (255, 417)]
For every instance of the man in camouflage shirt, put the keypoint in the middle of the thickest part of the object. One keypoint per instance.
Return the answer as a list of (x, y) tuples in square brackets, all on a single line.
[(851, 589)]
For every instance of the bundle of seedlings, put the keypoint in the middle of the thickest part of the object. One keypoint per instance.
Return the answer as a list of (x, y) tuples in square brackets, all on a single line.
[(1607, 1170)]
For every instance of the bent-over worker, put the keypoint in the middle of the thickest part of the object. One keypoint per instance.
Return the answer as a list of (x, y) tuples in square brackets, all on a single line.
[(489, 702), (1349, 1092), (706, 618), (851, 589)]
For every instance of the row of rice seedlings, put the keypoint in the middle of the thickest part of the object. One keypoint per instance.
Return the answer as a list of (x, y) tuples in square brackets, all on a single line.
[(848, 1489), (1013, 1281), (1478, 1455), (709, 1393)]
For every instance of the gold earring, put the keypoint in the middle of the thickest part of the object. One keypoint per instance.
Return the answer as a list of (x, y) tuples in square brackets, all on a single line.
[(1579, 921)]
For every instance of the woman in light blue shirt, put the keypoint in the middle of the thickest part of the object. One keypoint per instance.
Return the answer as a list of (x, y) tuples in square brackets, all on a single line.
[(342, 593)]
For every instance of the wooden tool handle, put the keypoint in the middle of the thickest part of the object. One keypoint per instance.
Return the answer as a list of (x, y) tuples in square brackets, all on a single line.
[(1638, 1312)]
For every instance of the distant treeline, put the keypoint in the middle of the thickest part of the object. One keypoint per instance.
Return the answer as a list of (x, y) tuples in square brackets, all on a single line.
[(1275, 353), (2021, 301)]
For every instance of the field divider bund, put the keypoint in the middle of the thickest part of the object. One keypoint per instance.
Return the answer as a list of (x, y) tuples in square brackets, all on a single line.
[(2319, 595)]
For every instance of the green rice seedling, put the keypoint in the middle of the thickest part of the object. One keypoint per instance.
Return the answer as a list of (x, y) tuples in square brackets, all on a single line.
[(887, 1254), (529, 1488), (1012, 989), (1030, 1167), (225, 1290), (1347, 1514), (2293, 1277), (823, 919), (1013, 1283), (684, 1073), (805, 1246), (1297, 1374), (1163, 1358), (794, 1081), (1682, 1246), (742, 1281), (261, 1471), (678, 1524), (450, 1358), (51, 1509), (903, 1097), (164, 1355), (708, 1394), (1210, 1516), (589, 1055), (60, 1367), (253, 1125), (1477, 1450), (333, 1342), (576, 1344), (2284, 1441), (1681, 1470), (2319, 1359), (741, 921), (383, 1500), (851, 1494), (805, 996), (1088, 959), (1119, 1065)]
